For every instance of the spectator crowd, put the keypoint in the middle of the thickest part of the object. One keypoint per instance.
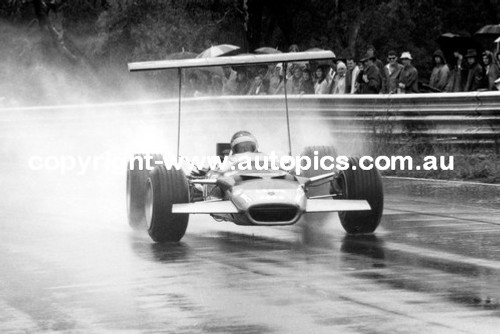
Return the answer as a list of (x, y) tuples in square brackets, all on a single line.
[(465, 73)]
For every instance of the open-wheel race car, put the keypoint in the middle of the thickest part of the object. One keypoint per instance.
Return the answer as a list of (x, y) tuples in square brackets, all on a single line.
[(162, 199)]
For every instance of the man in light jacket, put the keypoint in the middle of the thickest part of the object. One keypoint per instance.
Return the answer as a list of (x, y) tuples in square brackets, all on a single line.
[(391, 74), (408, 79)]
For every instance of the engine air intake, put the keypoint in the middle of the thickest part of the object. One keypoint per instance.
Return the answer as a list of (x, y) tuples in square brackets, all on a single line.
[(273, 213)]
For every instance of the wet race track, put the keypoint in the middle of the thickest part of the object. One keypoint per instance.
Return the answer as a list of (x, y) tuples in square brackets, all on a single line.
[(70, 263)]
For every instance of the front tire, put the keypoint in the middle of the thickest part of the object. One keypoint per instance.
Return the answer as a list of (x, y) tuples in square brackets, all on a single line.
[(137, 176), (165, 188), (361, 184)]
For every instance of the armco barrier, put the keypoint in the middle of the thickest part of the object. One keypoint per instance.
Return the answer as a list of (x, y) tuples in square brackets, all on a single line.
[(439, 118), (449, 118)]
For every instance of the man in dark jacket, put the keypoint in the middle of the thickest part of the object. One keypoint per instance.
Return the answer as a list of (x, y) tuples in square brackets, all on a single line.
[(351, 75), (440, 73), (475, 75), (458, 74), (371, 77), (408, 80), (371, 52)]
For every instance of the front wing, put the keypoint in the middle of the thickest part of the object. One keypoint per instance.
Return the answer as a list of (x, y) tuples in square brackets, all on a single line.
[(312, 205)]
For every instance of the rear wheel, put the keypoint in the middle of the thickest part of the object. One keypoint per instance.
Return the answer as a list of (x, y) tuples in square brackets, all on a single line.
[(356, 183), (165, 188), (322, 151), (137, 176)]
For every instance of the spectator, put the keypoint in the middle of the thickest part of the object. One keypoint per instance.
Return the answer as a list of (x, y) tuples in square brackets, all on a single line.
[(391, 74), (276, 81), (351, 75), (293, 48), (229, 85), (266, 72), (339, 80), (242, 82), (497, 62), (216, 85), (370, 51), (456, 77), (491, 70), (359, 84), (371, 79), (475, 74), (307, 83), (294, 84), (194, 85), (322, 84), (440, 73), (258, 86), (331, 71), (408, 79), (290, 68)]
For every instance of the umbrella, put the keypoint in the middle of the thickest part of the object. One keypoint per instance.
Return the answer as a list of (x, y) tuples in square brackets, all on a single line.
[(451, 42), (497, 42), (267, 50), (218, 50), (456, 42), (252, 69), (181, 55), (315, 49), (491, 29), (324, 62), (487, 35)]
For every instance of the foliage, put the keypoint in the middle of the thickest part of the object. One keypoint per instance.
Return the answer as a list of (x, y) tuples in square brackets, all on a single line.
[(107, 33)]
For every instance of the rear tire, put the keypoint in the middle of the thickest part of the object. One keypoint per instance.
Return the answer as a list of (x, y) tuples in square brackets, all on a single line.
[(361, 184), (323, 151), (136, 188), (165, 188)]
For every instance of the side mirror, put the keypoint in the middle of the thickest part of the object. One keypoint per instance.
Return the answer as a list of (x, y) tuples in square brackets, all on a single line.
[(223, 150), (225, 183)]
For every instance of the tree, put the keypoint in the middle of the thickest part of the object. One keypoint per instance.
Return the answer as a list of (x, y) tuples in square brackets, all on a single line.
[(110, 33)]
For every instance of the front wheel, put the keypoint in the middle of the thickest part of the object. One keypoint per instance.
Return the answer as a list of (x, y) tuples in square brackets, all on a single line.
[(164, 188), (137, 176), (356, 183)]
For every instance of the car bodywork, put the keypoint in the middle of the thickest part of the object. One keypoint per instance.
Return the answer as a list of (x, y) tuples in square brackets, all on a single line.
[(164, 198), (261, 196)]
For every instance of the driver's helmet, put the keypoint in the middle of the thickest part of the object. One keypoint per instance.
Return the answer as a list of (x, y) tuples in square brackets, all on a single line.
[(243, 141)]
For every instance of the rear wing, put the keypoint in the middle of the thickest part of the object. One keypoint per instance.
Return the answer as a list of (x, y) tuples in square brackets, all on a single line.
[(230, 61), (243, 60)]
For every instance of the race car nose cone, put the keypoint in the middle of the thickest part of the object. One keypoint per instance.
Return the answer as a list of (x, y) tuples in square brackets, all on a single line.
[(282, 192)]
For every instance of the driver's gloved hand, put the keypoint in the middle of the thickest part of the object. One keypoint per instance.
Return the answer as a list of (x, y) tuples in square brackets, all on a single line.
[(199, 172)]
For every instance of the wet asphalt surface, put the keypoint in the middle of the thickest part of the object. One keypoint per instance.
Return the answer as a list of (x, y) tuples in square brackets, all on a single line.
[(69, 262)]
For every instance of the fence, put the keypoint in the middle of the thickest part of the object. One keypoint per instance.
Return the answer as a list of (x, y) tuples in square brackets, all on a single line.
[(438, 118)]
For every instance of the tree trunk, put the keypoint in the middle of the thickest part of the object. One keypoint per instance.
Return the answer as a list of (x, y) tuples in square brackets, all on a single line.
[(254, 27), (50, 33), (280, 10), (495, 5), (353, 37)]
